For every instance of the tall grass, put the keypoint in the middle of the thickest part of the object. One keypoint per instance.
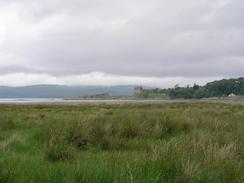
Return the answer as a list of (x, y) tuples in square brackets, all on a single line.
[(197, 142)]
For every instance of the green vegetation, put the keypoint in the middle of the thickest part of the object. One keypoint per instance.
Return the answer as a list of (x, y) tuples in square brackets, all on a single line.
[(102, 96), (149, 93), (196, 142), (220, 88)]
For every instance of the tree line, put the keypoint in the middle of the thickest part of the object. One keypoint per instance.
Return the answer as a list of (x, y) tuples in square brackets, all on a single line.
[(219, 88)]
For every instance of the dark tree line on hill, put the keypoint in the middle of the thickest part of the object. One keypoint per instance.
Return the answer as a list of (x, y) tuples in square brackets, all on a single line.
[(220, 88)]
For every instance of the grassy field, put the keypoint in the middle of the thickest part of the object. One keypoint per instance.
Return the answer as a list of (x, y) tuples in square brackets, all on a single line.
[(196, 142)]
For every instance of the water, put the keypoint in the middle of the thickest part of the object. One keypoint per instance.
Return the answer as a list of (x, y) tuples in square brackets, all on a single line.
[(70, 102), (29, 100), (64, 101)]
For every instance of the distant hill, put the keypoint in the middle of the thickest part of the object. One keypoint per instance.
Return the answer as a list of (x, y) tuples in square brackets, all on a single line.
[(60, 91)]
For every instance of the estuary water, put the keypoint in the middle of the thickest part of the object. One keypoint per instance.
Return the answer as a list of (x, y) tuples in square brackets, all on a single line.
[(29, 100), (60, 101), (86, 101)]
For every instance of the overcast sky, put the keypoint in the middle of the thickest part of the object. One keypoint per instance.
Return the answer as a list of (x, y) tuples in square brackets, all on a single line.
[(114, 42)]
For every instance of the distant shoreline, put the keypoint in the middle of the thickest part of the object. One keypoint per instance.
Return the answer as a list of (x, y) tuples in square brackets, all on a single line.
[(117, 101)]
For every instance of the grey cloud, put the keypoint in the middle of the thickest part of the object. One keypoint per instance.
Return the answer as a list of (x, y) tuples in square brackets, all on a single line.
[(167, 38), (13, 69)]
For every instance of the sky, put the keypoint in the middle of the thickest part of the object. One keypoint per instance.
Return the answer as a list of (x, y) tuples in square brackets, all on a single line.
[(120, 42)]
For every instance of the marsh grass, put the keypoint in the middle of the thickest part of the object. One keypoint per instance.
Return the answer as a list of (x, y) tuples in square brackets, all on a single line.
[(197, 142)]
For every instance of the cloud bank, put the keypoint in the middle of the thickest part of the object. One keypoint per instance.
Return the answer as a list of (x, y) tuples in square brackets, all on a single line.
[(155, 42), (96, 78)]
